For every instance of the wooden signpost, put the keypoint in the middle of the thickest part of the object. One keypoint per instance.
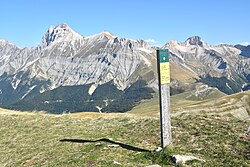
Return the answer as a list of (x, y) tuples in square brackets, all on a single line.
[(164, 96)]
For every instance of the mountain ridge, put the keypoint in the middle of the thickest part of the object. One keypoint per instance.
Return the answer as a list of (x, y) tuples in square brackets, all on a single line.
[(65, 27), (66, 58)]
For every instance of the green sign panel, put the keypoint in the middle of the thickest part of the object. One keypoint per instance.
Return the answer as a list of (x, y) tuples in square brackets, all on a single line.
[(163, 55), (164, 66)]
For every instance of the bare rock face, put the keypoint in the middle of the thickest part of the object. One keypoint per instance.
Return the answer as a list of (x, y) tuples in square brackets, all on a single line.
[(195, 40), (60, 33), (216, 64), (201, 58), (67, 58)]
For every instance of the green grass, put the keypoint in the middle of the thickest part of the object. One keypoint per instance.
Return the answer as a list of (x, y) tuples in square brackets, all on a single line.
[(237, 104), (190, 97), (222, 140), (33, 140), (147, 108), (186, 99)]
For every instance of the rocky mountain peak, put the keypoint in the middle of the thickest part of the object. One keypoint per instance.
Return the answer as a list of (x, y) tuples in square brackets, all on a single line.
[(245, 50), (5, 42), (107, 34), (101, 36), (195, 40), (5, 45), (59, 33), (63, 26), (172, 43)]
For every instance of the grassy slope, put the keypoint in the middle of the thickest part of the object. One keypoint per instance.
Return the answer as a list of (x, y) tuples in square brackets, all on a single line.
[(151, 107), (32, 139), (190, 95), (183, 76), (237, 105)]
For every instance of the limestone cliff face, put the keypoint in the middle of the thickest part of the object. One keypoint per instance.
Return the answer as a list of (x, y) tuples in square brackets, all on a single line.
[(202, 59), (67, 58)]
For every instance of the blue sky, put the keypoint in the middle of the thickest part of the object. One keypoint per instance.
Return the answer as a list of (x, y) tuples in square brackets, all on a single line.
[(24, 22)]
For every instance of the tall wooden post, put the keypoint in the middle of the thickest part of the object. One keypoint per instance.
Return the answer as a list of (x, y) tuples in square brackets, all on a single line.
[(164, 96)]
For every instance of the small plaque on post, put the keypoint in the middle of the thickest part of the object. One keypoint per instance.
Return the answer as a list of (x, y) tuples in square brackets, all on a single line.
[(164, 66)]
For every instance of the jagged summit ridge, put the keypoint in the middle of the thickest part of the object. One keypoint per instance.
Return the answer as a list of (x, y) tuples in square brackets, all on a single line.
[(105, 34), (189, 42), (67, 58), (195, 40), (4, 42), (212, 61), (59, 33), (63, 33)]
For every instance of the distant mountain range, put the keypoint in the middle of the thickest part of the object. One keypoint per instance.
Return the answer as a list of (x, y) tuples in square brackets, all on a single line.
[(69, 72)]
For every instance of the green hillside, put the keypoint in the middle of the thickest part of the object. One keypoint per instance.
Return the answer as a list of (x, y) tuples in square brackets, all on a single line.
[(200, 94), (71, 99), (127, 139), (237, 105)]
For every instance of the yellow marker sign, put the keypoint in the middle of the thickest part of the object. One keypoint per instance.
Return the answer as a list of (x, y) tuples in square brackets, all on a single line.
[(164, 66), (165, 73)]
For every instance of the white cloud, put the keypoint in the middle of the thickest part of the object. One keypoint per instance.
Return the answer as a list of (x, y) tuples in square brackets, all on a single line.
[(245, 43), (152, 42)]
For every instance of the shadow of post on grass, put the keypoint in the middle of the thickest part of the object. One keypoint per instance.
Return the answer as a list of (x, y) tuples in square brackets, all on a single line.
[(125, 146)]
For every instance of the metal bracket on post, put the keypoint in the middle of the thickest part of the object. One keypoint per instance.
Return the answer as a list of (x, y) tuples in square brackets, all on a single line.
[(164, 96)]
